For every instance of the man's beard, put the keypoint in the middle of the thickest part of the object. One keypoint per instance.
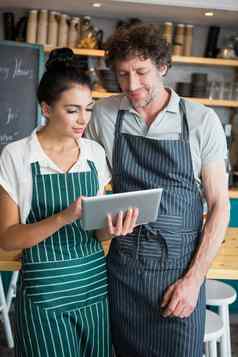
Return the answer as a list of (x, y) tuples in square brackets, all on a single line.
[(153, 95)]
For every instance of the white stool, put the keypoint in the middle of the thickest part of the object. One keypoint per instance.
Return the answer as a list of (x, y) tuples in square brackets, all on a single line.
[(11, 293), (221, 295), (5, 316), (214, 329)]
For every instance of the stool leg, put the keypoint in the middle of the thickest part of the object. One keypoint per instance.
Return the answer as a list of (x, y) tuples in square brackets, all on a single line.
[(4, 312), (212, 347), (12, 289), (206, 349), (226, 338)]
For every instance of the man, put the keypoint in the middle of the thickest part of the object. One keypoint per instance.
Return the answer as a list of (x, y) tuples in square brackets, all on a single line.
[(154, 138)]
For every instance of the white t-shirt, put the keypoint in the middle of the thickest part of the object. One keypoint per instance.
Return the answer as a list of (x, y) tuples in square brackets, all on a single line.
[(15, 167), (206, 135)]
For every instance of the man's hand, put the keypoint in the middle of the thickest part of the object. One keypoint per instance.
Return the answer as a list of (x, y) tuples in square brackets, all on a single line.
[(181, 298)]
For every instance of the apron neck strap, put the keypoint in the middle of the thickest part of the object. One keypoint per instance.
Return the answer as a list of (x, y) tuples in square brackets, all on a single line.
[(184, 122), (92, 167), (35, 168), (118, 125)]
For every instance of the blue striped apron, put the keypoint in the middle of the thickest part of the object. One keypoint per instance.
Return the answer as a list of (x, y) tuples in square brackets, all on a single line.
[(142, 265), (62, 302)]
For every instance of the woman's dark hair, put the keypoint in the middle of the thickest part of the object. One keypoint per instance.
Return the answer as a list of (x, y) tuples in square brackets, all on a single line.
[(62, 73), (143, 40)]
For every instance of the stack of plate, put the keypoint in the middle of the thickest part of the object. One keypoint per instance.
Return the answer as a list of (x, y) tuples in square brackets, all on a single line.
[(199, 85), (183, 89), (108, 80)]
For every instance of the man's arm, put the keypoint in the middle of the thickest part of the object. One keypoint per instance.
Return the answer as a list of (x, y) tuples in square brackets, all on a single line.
[(181, 298)]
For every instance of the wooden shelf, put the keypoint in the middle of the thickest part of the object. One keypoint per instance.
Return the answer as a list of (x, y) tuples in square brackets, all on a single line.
[(205, 61), (175, 59), (215, 102), (81, 51), (103, 94), (205, 101)]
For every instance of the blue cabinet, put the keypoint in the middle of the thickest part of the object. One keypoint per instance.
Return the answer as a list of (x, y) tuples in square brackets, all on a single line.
[(234, 223)]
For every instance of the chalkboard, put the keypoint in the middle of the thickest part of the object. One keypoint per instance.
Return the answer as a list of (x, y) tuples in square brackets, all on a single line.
[(21, 66)]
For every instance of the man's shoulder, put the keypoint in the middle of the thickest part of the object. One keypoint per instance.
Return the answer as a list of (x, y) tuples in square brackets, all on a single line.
[(198, 108), (109, 104), (199, 115)]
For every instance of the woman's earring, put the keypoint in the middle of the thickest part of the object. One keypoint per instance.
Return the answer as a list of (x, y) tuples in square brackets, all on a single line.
[(45, 110)]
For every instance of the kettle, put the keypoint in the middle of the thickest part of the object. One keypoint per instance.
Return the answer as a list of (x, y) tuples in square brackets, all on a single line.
[(90, 36)]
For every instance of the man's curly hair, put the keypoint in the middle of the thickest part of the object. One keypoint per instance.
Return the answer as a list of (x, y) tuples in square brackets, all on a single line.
[(143, 40)]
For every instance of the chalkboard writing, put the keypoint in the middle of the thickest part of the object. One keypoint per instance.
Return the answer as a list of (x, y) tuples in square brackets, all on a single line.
[(21, 67)]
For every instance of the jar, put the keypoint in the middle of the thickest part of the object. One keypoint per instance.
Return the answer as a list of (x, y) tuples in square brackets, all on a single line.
[(177, 50), (188, 40), (168, 32), (31, 27), (42, 27), (74, 31), (63, 30), (53, 29), (179, 38)]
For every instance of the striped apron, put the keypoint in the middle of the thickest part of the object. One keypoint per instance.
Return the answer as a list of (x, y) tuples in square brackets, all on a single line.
[(62, 302), (142, 265)]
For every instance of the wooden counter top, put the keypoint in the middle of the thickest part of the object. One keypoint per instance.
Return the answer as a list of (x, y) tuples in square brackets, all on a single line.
[(233, 193), (10, 260), (225, 265)]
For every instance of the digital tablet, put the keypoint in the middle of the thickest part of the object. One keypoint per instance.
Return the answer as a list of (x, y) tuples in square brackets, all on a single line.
[(95, 209)]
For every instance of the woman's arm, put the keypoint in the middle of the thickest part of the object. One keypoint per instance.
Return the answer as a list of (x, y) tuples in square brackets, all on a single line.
[(14, 235)]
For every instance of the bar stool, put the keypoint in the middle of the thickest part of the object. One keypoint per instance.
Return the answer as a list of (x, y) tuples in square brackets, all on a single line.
[(5, 316), (11, 293), (214, 329), (221, 295), (9, 261)]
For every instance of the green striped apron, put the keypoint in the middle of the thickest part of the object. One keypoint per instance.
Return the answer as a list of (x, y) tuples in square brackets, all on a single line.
[(62, 303)]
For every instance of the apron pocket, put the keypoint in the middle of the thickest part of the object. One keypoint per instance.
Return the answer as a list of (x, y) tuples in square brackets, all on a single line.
[(170, 227)]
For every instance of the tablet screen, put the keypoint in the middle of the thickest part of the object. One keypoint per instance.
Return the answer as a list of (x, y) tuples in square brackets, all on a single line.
[(95, 209)]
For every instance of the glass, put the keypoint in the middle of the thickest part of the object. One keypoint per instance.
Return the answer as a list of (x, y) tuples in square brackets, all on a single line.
[(227, 91), (235, 91), (214, 90)]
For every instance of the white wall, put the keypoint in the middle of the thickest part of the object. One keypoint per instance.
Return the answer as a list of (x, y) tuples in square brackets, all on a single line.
[(206, 4)]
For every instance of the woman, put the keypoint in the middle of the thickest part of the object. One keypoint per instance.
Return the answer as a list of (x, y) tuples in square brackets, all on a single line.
[(61, 304)]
